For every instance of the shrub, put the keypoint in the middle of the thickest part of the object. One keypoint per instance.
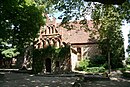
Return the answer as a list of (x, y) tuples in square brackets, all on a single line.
[(95, 69), (126, 74), (97, 61), (37, 65), (127, 68), (116, 63), (82, 64)]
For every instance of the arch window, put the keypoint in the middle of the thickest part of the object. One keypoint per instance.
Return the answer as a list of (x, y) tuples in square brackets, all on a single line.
[(51, 42), (44, 43), (52, 29), (49, 30), (54, 42), (47, 42)]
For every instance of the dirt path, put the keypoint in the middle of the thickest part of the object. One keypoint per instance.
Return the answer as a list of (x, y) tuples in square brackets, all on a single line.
[(27, 80), (114, 82)]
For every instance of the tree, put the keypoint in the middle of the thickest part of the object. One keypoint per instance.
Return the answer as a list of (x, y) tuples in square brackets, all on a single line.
[(21, 19), (108, 2), (124, 11), (128, 48), (79, 8), (111, 41), (108, 21), (20, 24)]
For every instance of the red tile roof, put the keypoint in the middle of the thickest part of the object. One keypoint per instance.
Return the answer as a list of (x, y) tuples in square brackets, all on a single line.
[(78, 34)]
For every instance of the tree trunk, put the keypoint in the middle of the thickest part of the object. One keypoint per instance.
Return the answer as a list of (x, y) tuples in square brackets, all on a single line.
[(109, 63)]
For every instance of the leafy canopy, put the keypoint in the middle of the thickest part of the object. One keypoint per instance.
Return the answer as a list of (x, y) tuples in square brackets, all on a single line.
[(20, 23), (108, 21)]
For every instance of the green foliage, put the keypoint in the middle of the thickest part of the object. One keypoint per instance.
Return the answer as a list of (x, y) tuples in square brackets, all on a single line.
[(7, 51), (20, 22), (10, 53), (95, 69), (83, 64), (128, 48), (64, 52), (37, 65), (126, 74), (49, 52), (75, 9), (127, 68), (124, 10), (108, 20), (55, 52), (97, 60), (110, 35)]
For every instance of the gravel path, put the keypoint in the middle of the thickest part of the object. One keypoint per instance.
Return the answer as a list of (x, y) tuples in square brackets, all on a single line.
[(27, 80), (114, 82)]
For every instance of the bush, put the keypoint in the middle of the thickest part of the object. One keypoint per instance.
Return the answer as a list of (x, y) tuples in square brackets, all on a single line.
[(82, 65), (127, 68), (37, 65), (116, 63), (97, 61), (95, 69), (126, 74)]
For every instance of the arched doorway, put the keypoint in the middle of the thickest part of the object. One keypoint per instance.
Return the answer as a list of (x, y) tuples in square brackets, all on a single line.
[(48, 65)]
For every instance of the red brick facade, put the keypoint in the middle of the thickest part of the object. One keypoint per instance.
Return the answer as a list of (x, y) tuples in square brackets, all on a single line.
[(83, 43)]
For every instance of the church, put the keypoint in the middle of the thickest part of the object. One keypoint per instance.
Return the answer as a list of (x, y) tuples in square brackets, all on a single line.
[(82, 42)]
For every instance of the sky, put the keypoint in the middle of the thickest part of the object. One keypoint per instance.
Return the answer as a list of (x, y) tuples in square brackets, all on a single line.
[(125, 31)]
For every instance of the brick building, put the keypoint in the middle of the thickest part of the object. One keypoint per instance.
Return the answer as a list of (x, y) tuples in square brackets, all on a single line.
[(83, 43)]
